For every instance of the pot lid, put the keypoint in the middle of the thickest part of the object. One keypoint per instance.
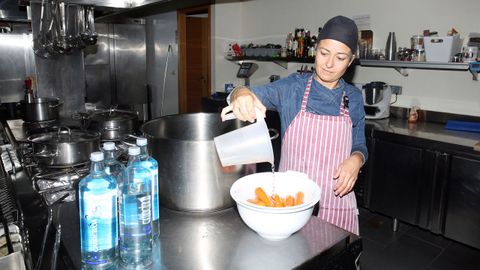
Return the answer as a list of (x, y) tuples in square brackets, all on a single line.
[(113, 114), (64, 135)]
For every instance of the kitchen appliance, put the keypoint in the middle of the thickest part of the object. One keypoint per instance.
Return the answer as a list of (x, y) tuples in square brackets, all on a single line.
[(190, 176), (376, 100)]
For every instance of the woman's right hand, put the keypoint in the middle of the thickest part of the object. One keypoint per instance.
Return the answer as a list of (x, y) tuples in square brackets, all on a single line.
[(243, 103)]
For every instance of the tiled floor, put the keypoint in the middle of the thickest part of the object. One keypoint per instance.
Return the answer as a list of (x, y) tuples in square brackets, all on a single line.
[(410, 247)]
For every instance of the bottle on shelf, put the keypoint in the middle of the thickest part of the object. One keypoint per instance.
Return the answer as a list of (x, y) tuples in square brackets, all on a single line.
[(135, 213), (28, 90), (98, 216), (150, 163)]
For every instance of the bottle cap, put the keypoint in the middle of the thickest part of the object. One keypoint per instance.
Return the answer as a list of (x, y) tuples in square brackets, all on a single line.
[(133, 150), (96, 156), (109, 146), (141, 141)]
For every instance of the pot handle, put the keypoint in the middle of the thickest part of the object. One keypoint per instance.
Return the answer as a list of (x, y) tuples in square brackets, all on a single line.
[(43, 154), (55, 105), (111, 128), (66, 128)]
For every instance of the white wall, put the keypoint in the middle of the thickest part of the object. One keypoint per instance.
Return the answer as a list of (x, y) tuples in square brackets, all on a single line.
[(269, 21)]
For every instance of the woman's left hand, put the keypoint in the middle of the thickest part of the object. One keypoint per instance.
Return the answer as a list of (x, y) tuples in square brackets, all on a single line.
[(346, 174)]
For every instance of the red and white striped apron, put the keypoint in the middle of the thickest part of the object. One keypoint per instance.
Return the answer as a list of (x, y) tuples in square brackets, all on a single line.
[(317, 145)]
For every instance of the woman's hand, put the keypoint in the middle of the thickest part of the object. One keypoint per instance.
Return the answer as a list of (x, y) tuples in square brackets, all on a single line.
[(346, 174), (243, 103)]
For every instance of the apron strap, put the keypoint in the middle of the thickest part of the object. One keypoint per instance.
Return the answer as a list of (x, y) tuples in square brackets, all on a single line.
[(305, 95)]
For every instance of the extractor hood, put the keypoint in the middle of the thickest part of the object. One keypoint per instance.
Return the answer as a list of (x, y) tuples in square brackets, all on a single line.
[(13, 11)]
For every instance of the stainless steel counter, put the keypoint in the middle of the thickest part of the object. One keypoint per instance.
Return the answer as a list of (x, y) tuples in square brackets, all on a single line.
[(425, 130), (221, 240)]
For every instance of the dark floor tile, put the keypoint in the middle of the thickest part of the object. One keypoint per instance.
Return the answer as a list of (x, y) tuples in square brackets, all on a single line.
[(371, 257), (457, 256), (364, 215), (379, 229), (410, 253), (434, 239)]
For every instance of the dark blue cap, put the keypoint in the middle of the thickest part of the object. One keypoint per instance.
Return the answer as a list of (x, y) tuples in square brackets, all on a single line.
[(341, 29)]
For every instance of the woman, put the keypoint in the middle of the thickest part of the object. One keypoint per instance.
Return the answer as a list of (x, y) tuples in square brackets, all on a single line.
[(322, 120)]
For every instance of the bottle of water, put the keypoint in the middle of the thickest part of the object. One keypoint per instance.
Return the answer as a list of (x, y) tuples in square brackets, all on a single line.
[(151, 164), (135, 213), (98, 216), (112, 166)]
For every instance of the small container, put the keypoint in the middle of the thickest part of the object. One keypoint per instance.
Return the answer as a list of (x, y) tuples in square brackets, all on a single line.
[(470, 54), (413, 115), (416, 42)]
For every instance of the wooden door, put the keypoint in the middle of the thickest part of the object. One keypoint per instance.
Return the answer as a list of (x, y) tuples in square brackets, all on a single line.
[(194, 58)]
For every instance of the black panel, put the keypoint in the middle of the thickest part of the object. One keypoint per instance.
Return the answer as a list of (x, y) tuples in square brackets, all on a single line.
[(462, 221), (396, 181)]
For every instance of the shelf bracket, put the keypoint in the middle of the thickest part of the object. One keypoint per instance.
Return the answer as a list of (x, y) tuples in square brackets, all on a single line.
[(282, 64), (402, 71)]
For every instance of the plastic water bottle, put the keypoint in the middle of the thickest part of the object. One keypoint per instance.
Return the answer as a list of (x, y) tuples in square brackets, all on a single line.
[(112, 166), (98, 216), (136, 213), (151, 164)]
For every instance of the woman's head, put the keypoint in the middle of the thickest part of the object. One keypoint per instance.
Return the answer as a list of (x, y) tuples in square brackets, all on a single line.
[(337, 44)]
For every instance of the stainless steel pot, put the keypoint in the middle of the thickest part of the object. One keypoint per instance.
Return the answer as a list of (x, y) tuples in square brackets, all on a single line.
[(41, 109), (112, 124), (190, 175), (64, 147)]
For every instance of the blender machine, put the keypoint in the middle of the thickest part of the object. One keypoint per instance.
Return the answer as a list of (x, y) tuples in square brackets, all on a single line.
[(376, 97)]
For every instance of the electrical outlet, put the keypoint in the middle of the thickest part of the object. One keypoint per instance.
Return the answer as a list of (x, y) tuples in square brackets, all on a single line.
[(396, 89)]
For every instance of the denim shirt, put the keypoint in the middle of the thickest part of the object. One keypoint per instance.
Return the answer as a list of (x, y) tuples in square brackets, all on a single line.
[(285, 96)]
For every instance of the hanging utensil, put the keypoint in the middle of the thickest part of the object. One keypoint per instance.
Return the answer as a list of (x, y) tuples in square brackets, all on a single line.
[(56, 245), (44, 240), (90, 36)]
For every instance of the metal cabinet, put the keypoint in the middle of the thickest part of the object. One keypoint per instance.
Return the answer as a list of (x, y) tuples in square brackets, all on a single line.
[(398, 180), (424, 184), (462, 201)]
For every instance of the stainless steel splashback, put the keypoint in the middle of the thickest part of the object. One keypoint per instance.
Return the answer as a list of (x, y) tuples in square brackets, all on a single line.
[(115, 68), (17, 62)]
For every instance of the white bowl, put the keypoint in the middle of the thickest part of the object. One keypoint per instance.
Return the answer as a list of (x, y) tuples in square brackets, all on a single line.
[(275, 223)]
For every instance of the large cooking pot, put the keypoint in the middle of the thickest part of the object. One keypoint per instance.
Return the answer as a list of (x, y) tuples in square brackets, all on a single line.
[(113, 124), (190, 175), (64, 147), (40, 109)]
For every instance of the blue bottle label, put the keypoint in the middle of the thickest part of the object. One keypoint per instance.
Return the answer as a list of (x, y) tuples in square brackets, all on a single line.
[(155, 205), (99, 221)]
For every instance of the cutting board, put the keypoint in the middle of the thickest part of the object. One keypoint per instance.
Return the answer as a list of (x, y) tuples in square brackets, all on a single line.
[(463, 126)]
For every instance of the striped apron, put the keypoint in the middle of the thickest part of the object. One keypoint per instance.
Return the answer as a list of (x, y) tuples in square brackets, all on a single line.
[(317, 145)]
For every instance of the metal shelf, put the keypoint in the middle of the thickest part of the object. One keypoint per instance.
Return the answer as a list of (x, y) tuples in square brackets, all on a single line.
[(401, 66), (283, 62)]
